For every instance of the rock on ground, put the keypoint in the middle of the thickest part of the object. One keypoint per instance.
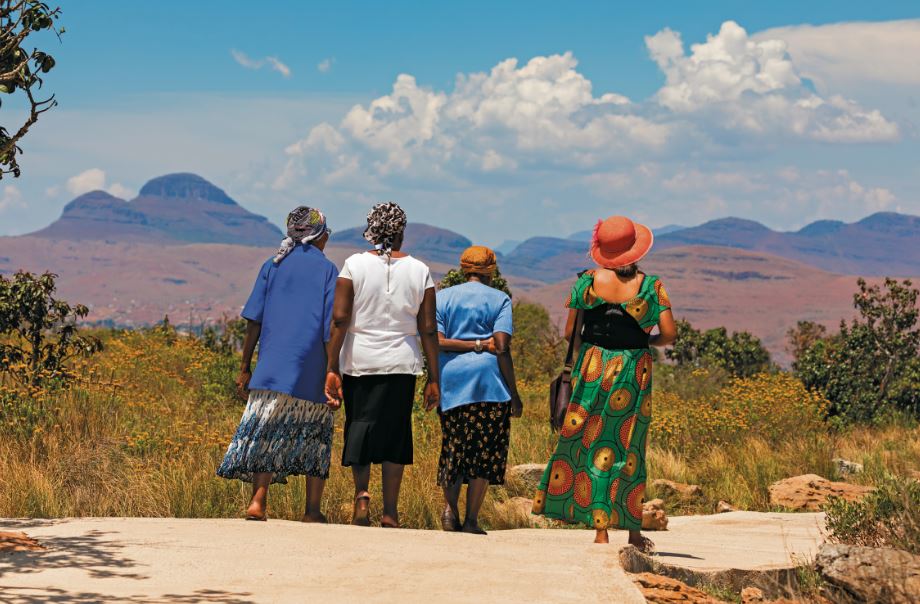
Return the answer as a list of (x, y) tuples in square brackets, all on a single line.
[(17, 542), (653, 516), (868, 574), (525, 476), (723, 506), (809, 492), (515, 512), (845, 467), (664, 590), (669, 488)]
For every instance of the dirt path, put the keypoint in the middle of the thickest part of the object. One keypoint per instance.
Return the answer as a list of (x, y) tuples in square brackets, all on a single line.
[(231, 561)]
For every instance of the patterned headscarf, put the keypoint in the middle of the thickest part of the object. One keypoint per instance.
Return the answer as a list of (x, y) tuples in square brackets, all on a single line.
[(303, 226), (385, 222), (478, 259)]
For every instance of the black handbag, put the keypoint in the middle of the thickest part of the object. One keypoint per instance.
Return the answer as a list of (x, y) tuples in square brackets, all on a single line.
[(560, 389)]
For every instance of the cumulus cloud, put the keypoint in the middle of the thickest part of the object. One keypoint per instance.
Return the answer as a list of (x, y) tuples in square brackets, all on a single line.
[(325, 66), (732, 81), (93, 179), (865, 52), (273, 63)]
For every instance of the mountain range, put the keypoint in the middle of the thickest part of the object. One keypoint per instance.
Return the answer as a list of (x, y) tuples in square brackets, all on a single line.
[(175, 208), (184, 247)]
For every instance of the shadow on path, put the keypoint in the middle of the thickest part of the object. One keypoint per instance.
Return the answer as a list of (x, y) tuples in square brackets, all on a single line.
[(98, 557), (31, 595)]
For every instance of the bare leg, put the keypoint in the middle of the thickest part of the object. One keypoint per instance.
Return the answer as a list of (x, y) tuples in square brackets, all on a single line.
[(315, 488), (451, 515), (475, 495), (392, 480), (601, 536), (644, 544), (362, 478), (258, 505)]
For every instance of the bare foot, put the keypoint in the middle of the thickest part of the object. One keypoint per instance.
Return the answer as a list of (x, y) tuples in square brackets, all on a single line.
[(387, 521), (360, 515), (317, 518), (602, 537), (256, 511)]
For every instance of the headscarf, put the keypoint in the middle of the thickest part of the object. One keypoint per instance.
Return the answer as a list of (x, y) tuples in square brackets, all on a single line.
[(303, 226), (479, 260), (385, 222)]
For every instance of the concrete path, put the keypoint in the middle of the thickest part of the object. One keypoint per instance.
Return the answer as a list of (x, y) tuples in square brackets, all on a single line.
[(231, 561)]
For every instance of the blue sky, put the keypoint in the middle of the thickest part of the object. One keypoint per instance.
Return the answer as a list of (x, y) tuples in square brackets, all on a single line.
[(789, 112)]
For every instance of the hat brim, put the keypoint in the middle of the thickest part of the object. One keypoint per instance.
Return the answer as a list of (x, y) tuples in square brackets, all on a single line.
[(644, 240)]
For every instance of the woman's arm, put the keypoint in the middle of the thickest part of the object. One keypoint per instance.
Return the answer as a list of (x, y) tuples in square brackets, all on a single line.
[(506, 366), (667, 330), (253, 331), (452, 345), (428, 332), (341, 319)]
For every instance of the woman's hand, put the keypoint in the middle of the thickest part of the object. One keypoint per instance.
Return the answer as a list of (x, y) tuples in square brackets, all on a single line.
[(489, 346), (432, 395), (517, 406), (242, 383), (334, 394)]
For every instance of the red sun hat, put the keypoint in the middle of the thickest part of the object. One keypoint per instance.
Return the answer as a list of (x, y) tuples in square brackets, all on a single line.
[(618, 241)]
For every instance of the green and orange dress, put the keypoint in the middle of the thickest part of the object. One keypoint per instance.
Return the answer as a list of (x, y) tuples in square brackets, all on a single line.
[(597, 474)]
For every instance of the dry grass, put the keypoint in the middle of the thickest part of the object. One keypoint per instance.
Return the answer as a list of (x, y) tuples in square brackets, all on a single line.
[(143, 430)]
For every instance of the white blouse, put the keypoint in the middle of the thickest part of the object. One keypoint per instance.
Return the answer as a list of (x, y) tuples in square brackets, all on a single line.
[(383, 335)]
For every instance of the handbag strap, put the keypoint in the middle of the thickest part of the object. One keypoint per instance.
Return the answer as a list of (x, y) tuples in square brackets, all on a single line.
[(570, 353)]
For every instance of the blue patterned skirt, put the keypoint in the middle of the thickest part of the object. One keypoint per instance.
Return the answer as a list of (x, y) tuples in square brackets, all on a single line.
[(280, 434)]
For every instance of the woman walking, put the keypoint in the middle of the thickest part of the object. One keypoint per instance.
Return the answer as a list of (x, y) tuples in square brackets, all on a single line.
[(286, 428), (597, 474), (384, 303), (479, 392)]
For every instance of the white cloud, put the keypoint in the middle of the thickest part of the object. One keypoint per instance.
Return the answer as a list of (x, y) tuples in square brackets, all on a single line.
[(273, 63), (11, 198), (86, 181), (836, 54), (93, 179), (325, 66), (738, 83)]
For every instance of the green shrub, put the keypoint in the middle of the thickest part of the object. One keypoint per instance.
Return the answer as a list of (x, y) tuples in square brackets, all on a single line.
[(888, 517)]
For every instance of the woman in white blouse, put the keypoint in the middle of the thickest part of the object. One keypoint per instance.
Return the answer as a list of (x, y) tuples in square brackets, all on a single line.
[(384, 304)]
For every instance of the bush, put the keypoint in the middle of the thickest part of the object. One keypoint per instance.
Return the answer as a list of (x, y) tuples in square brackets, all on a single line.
[(887, 517), (456, 277), (871, 369), (740, 354)]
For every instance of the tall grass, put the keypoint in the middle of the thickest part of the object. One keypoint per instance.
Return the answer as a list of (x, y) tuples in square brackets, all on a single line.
[(143, 429)]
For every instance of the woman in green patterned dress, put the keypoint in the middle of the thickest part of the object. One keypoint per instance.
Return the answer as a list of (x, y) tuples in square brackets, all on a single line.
[(597, 474)]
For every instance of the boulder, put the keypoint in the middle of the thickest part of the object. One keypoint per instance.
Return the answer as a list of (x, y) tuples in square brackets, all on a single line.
[(658, 589), (868, 574), (17, 542), (809, 492), (847, 468), (724, 506), (669, 488), (515, 513), (752, 595), (525, 476), (653, 516)]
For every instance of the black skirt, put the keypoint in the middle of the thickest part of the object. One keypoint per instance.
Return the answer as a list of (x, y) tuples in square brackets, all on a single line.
[(474, 443), (378, 419)]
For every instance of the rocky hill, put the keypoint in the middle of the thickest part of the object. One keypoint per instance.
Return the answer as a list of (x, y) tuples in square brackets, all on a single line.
[(422, 240), (171, 209)]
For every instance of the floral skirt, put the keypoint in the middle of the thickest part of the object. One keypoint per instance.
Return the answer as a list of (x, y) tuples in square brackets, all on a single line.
[(280, 434), (474, 443), (597, 474)]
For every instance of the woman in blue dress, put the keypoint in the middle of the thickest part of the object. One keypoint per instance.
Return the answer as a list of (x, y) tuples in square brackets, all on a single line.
[(286, 428), (478, 390)]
